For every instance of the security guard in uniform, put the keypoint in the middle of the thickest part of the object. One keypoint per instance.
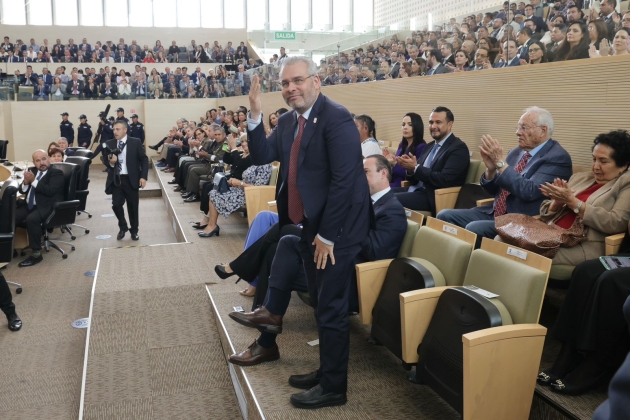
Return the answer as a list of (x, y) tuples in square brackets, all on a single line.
[(84, 132), (121, 116), (66, 128), (136, 129)]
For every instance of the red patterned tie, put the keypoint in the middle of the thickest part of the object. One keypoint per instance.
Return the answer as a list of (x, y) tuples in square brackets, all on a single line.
[(500, 205), (296, 208)]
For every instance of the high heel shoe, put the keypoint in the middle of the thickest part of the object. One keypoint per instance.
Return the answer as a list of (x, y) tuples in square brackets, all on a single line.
[(220, 270), (215, 231), (546, 378)]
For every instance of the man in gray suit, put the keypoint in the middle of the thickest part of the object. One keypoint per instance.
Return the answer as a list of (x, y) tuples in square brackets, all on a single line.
[(515, 180), (434, 60)]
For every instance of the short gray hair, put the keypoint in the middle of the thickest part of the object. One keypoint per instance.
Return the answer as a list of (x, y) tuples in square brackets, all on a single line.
[(63, 138), (543, 117), (312, 67)]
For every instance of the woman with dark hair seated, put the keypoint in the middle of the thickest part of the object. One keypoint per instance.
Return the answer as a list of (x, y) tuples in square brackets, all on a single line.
[(461, 61), (412, 142), (537, 53), (591, 327), (577, 43), (599, 198)]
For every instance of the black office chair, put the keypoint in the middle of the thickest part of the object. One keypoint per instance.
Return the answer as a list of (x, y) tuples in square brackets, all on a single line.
[(83, 153), (64, 212), (7, 224), (74, 149), (82, 186), (4, 145)]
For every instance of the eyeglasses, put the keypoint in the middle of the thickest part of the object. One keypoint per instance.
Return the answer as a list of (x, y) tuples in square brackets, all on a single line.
[(520, 127), (531, 50), (298, 81)]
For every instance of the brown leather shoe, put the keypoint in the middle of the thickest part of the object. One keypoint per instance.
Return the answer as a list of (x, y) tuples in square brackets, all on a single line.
[(261, 319), (254, 355)]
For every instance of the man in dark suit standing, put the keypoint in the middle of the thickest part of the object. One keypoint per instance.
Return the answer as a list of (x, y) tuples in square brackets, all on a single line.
[(43, 186), (127, 171), (287, 273), (325, 189), (443, 163), (514, 180)]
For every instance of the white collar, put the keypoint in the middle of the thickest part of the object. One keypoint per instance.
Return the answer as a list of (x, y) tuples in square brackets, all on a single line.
[(375, 197), (441, 142), (124, 140), (306, 113)]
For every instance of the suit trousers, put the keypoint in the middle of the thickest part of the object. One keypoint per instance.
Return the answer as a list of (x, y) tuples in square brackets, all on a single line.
[(591, 317), (417, 200), (6, 302), (204, 206), (32, 222), (164, 151), (172, 156), (122, 193), (329, 291), (194, 174), (181, 173), (475, 220)]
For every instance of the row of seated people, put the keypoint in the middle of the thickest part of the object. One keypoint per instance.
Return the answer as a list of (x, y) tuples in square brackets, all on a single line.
[(121, 53), (528, 180), (497, 40), (125, 85)]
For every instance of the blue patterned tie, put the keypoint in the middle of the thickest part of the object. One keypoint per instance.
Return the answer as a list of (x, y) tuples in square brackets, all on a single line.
[(120, 162), (31, 195)]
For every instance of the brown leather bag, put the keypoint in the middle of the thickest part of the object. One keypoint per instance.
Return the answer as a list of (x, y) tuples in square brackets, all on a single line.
[(544, 238)]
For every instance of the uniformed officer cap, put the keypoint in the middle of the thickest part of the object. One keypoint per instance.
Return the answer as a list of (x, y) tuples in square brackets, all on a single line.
[(120, 110), (111, 118), (65, 113), (82, 117), (134, 116)]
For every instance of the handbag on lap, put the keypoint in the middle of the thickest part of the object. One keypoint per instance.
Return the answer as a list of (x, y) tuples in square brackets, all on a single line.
[(220, 183), (543, 238)]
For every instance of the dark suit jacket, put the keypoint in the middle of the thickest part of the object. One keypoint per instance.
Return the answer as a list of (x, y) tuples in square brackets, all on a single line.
[(387, 233), (137, 162), (48, 79), (451, 59), (70, 87), (439, 69), (551, 162), (49, 190), (45, 89), (448, 169), (113, 89), (330, 178)]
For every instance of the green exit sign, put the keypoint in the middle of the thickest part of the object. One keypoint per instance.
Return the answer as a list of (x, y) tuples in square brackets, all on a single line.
[(284, 36)]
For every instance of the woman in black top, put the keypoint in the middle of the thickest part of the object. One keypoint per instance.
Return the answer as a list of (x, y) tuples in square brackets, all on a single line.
[(201, 56), (577, 43), (90, 91), (240, 160)]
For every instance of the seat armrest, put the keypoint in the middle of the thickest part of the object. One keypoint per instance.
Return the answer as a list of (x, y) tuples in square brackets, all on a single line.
[(445, 198), (63, 205), (485, 202), (404, 184), (416, 311), (613, 243), (273, 206), (370, 279), (500, 366), (6, 236), (257, 198)]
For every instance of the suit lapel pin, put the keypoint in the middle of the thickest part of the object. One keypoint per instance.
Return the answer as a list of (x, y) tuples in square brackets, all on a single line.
[(315, 120)]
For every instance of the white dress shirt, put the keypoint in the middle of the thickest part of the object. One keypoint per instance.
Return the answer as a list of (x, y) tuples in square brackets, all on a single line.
[(122, 157), (33, 186), (375, 197)]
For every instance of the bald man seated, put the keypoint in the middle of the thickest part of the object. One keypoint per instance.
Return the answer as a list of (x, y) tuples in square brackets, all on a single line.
[(42, 187)]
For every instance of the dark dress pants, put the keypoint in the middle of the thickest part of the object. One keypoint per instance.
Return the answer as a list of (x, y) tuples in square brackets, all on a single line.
[(6, 303), (32, 222), (172, 156), (416, 200), (329, 291), (204, 206), (182, 171), (591, 317), (122, 193)]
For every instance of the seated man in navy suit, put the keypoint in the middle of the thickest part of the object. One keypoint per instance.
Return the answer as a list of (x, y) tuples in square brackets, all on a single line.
[(287, 272), (443, 163), (510, 56), (515, 179)]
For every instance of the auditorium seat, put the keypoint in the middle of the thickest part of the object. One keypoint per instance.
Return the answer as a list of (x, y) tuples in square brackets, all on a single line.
[(493, 373), (25, 93), (430, 245), (257, 197)]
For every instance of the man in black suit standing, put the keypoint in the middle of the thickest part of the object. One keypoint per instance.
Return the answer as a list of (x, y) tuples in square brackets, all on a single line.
[(127, 171), (326, 190), (443, 163), (43, 186), (287, 272)]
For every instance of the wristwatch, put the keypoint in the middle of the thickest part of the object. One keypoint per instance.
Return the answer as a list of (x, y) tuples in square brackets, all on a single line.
[(500, 164), (579, 206)]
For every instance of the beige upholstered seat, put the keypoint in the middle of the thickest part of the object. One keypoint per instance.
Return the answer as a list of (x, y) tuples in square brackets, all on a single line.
[(257, 197), (442, 248), (408, 239), (500, 361)]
